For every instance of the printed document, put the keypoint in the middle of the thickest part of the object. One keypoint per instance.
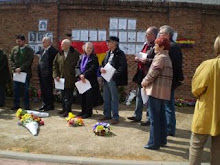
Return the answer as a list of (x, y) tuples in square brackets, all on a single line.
[(110, 70), (83, 87), (59, 84), (144, 96), (20, 77)]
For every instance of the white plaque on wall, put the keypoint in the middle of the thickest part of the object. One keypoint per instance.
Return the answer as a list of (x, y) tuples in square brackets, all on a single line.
[(93, 35), (102, 35), (84, 35), (122, 24), (113, 33), (76, 35), (113, 24)]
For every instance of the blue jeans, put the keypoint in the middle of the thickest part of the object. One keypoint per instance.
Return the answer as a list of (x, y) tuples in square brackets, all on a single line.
[(170, 115), (158, 126), (110, 97), (17, 88), (139, 105), (2, 95)]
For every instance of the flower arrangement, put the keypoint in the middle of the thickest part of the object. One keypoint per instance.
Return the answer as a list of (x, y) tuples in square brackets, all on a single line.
[(185, 102), (185, 43), (72, 120), (29, 121), (34, 94), (102, 129)]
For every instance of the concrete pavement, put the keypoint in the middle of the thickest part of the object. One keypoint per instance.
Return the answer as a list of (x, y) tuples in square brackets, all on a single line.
[(19, 158)]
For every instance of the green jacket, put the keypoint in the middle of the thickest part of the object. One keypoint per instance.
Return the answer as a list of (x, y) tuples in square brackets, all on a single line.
[(4, 70), (65, 68), (23, 61)]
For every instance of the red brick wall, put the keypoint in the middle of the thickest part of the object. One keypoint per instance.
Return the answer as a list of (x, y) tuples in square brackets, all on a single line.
[(198, 22)]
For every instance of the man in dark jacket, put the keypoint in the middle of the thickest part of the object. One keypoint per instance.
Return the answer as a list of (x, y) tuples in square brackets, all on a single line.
[(45, 68), (142, 69), (176, 58), (21, 61), (117, 59), (5, 76), (64, 67)]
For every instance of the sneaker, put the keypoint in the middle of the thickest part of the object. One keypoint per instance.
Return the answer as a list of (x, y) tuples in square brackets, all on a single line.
[(114, 121), (105, 118), (146, 123)]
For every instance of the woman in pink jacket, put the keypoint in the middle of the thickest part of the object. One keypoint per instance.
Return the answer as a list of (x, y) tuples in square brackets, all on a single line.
[(157, 85)]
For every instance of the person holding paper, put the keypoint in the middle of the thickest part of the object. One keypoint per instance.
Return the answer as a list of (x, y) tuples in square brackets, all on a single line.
[(176, 58), (21, 61), (45, 68), (64, 67), (5, 76), (142, 69), (117, 59), (157, 85), (86, 69)]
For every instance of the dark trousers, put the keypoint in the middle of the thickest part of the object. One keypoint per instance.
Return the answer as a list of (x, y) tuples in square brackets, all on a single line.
[(2, 95), (46, 85), (17, 88), (86, 102), (67, 99)]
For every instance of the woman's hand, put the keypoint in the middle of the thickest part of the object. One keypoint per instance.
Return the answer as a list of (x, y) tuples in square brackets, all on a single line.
[(102, 70), (82, 77), (57, 79)]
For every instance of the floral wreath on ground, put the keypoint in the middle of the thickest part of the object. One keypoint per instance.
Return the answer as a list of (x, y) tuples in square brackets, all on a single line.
[(102, 129), (74, 121), (185, 102), (29, 121), (185, 43)]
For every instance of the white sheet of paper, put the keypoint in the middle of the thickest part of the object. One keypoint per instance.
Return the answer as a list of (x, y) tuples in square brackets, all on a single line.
[(122, 24), (76, 35), (131, 24), (60, 84), (83, 87), (141, 55), (93, 35), (20, 77), (84, 35), (113, 23), (131, 36), (110, 70), (144, 96)]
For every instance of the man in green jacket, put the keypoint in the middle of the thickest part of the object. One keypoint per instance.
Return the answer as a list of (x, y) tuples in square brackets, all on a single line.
[(21, 60), (64, 67), (5, 76)]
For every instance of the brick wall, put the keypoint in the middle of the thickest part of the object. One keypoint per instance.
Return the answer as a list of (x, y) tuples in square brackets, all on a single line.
[(196, 21)]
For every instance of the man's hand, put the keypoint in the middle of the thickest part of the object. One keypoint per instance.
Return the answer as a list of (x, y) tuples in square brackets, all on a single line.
[(136, 59), (82, 77), (57, 79), (102, 70), (18, 70)]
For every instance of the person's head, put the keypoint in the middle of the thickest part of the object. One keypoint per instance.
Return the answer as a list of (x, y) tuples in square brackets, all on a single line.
[(161, 44), (88, 48), (46, 42), (217, 46), (112, 42), (151, 34), (65, 44), (166, 31), (20, 40)]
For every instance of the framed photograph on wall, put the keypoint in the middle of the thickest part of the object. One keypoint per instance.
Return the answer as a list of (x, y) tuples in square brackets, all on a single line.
[(32, 37), (42, 25)]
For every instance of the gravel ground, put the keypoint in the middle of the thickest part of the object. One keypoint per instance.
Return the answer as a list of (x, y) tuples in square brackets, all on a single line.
[(127, 141)]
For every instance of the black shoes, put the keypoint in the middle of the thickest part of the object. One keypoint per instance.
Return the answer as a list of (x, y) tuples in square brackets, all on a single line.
[(84, 116), (146, 123), (42, 108), (133, 119), (46, 108), (151, 148)]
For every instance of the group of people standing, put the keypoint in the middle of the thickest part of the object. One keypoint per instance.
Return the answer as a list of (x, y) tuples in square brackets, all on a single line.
[(158, 75)]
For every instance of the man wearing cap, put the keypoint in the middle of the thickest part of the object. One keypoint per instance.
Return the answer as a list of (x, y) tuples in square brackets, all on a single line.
[(117, 59), (21, 60)]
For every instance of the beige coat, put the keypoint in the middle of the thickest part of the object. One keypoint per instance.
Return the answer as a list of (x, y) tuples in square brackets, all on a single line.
[(158, 80)]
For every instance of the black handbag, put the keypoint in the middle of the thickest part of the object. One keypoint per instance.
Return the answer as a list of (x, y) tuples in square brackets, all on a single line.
[(138, 77)]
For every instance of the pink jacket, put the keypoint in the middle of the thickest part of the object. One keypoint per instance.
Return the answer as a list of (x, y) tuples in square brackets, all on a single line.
[(158, 80)]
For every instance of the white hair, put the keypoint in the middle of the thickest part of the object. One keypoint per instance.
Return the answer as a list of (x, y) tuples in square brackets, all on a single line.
[(47, 39), (66, 41)]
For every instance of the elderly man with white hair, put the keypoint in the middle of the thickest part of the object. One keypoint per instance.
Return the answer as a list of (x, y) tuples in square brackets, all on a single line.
[(64, 67), (45, 68)]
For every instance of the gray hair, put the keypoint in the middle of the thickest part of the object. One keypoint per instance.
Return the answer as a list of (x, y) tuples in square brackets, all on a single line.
[(154, 30), (66, 41), (47, 39), (167, 29), (86, 44)]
